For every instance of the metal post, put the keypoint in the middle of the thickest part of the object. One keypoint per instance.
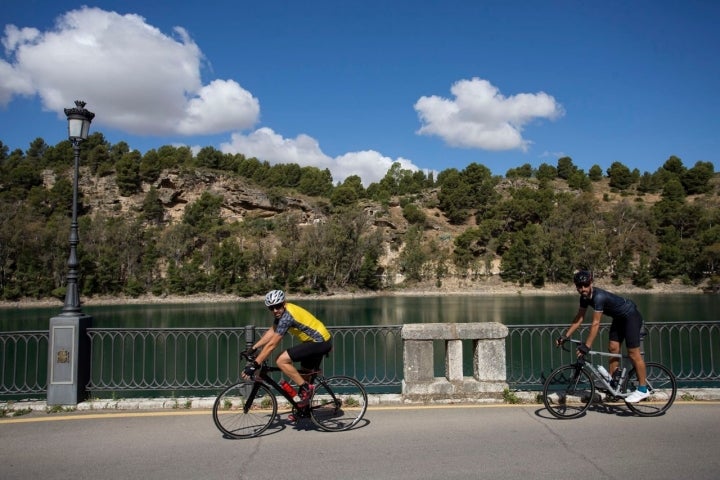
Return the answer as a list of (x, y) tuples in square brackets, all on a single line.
[(249, 336), (72, 297), (69, 346)]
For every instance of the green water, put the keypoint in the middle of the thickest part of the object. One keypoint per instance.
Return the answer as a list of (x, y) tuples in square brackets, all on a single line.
[(506, 309)]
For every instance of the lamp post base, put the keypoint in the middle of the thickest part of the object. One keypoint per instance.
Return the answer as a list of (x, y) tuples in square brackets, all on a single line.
[(68, 359)]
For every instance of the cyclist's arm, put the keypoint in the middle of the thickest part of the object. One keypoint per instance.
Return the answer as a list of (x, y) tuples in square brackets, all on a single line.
[(268, 342), (577, 321), (594, 328)]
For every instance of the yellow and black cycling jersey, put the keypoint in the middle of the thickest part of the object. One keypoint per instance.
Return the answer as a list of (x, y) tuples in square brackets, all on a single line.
[(302, 324)]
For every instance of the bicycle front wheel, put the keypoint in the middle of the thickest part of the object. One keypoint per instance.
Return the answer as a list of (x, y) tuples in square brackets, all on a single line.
[(244, 410), (662, 386), (568, 391), (338, 403)]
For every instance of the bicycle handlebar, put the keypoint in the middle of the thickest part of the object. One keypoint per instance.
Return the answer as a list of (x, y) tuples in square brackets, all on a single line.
[(591, 352), (562, 345), (251, 358)]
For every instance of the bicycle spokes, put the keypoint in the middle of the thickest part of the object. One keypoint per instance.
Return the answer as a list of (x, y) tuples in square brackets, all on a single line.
[(568, 391)]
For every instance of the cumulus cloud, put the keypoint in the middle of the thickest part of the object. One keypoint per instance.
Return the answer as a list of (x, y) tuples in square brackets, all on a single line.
[(481, 117), (304, 150), (140, 80), (136, 78)]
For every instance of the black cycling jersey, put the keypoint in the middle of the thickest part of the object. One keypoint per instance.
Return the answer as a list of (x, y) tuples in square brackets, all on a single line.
[(608, 303)]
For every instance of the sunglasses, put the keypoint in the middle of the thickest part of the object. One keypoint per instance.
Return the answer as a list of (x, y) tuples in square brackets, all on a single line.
[(272, 308), (585, 285)]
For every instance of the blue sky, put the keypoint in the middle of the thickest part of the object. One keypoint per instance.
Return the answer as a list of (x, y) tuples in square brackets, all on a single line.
[(354, 86)]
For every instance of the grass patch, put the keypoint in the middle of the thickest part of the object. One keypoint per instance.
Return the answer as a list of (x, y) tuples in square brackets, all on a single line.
[(510, 397)]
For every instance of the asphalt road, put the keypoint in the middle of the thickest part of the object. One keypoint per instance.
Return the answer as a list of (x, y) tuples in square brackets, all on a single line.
[(458, 442)]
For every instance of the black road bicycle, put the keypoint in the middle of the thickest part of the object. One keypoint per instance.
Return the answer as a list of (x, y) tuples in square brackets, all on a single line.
[(570, 389), (247, 408)]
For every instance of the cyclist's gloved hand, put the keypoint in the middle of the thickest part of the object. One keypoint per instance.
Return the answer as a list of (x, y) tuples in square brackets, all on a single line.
[(250, 353), (560, 340), (250, 368), (583, 349)]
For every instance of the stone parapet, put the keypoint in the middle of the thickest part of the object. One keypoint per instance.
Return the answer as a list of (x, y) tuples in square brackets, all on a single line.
[(489, 379)]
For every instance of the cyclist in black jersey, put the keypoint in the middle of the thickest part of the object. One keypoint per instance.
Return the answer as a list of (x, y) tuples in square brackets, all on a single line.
[(315, 342), (626, 326)]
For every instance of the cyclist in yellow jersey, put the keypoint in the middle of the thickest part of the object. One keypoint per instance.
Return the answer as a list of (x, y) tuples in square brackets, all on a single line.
[(314, 337)]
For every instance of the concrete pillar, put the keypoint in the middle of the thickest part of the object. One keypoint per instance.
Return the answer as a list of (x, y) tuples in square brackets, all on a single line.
[(418, 361), (454, 360), (489, 376), (68, 359), (489, 360)]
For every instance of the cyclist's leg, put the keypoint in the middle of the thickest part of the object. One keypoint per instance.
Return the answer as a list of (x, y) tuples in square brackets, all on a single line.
[(309, 354), (310, 365), (633, 328), (285, 364), (639, 363), (615, 339)]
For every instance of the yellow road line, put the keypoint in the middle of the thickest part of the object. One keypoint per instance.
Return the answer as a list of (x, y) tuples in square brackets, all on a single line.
[(95, 416), (154, 413)]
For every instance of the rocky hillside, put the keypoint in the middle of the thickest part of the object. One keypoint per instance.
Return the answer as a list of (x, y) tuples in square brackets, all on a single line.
[(244, 201)]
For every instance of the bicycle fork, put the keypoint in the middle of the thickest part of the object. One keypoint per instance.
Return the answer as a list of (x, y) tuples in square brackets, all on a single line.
[(251, 397)]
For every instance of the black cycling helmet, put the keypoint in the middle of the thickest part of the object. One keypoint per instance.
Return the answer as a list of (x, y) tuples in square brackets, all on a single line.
[(583, 277)]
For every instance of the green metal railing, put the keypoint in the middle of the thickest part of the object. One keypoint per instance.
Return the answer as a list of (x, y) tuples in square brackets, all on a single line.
[(153, 361)]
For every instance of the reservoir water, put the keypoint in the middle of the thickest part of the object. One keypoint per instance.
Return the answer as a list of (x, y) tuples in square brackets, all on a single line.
[(382, 310)]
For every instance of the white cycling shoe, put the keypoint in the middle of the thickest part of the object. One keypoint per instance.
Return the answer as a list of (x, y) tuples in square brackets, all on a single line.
[(637, 396)]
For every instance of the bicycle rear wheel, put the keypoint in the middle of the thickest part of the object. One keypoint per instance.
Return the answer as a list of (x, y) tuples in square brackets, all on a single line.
[(338, 403), (244, 410), (568, 391), (662, 387)]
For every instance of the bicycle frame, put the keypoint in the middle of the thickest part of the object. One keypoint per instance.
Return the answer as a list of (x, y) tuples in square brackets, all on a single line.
[(599, 380), (570, 389), (247, 408), (263, 377)]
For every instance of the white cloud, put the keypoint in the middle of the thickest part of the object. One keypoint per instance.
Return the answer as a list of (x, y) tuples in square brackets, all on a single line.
[(141, 81), (369, 165), (481, 117), (220, 106), (266, 145), (554, 155), (134, 77)]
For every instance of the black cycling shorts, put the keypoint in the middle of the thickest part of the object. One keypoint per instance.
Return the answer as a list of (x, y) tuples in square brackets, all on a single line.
[(627, 329), (309, 354)]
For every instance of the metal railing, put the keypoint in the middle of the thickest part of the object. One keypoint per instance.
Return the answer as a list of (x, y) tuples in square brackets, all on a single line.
[(690, 350), (158, 359), (24, 357), (202, 360)]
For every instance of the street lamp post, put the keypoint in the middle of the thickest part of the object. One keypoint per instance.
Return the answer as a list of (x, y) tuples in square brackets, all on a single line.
[(69, 345), (78, 127)]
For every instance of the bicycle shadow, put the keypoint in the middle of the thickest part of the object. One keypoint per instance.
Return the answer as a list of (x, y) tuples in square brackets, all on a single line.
[(306, 425), (618, 409), (282, 423)]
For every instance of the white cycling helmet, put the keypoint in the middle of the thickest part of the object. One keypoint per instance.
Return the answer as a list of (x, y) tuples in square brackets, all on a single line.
[(274, 297)]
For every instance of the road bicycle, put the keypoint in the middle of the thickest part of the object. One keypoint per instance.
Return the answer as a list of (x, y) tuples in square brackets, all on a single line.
[(570, 389), (247, 408)]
